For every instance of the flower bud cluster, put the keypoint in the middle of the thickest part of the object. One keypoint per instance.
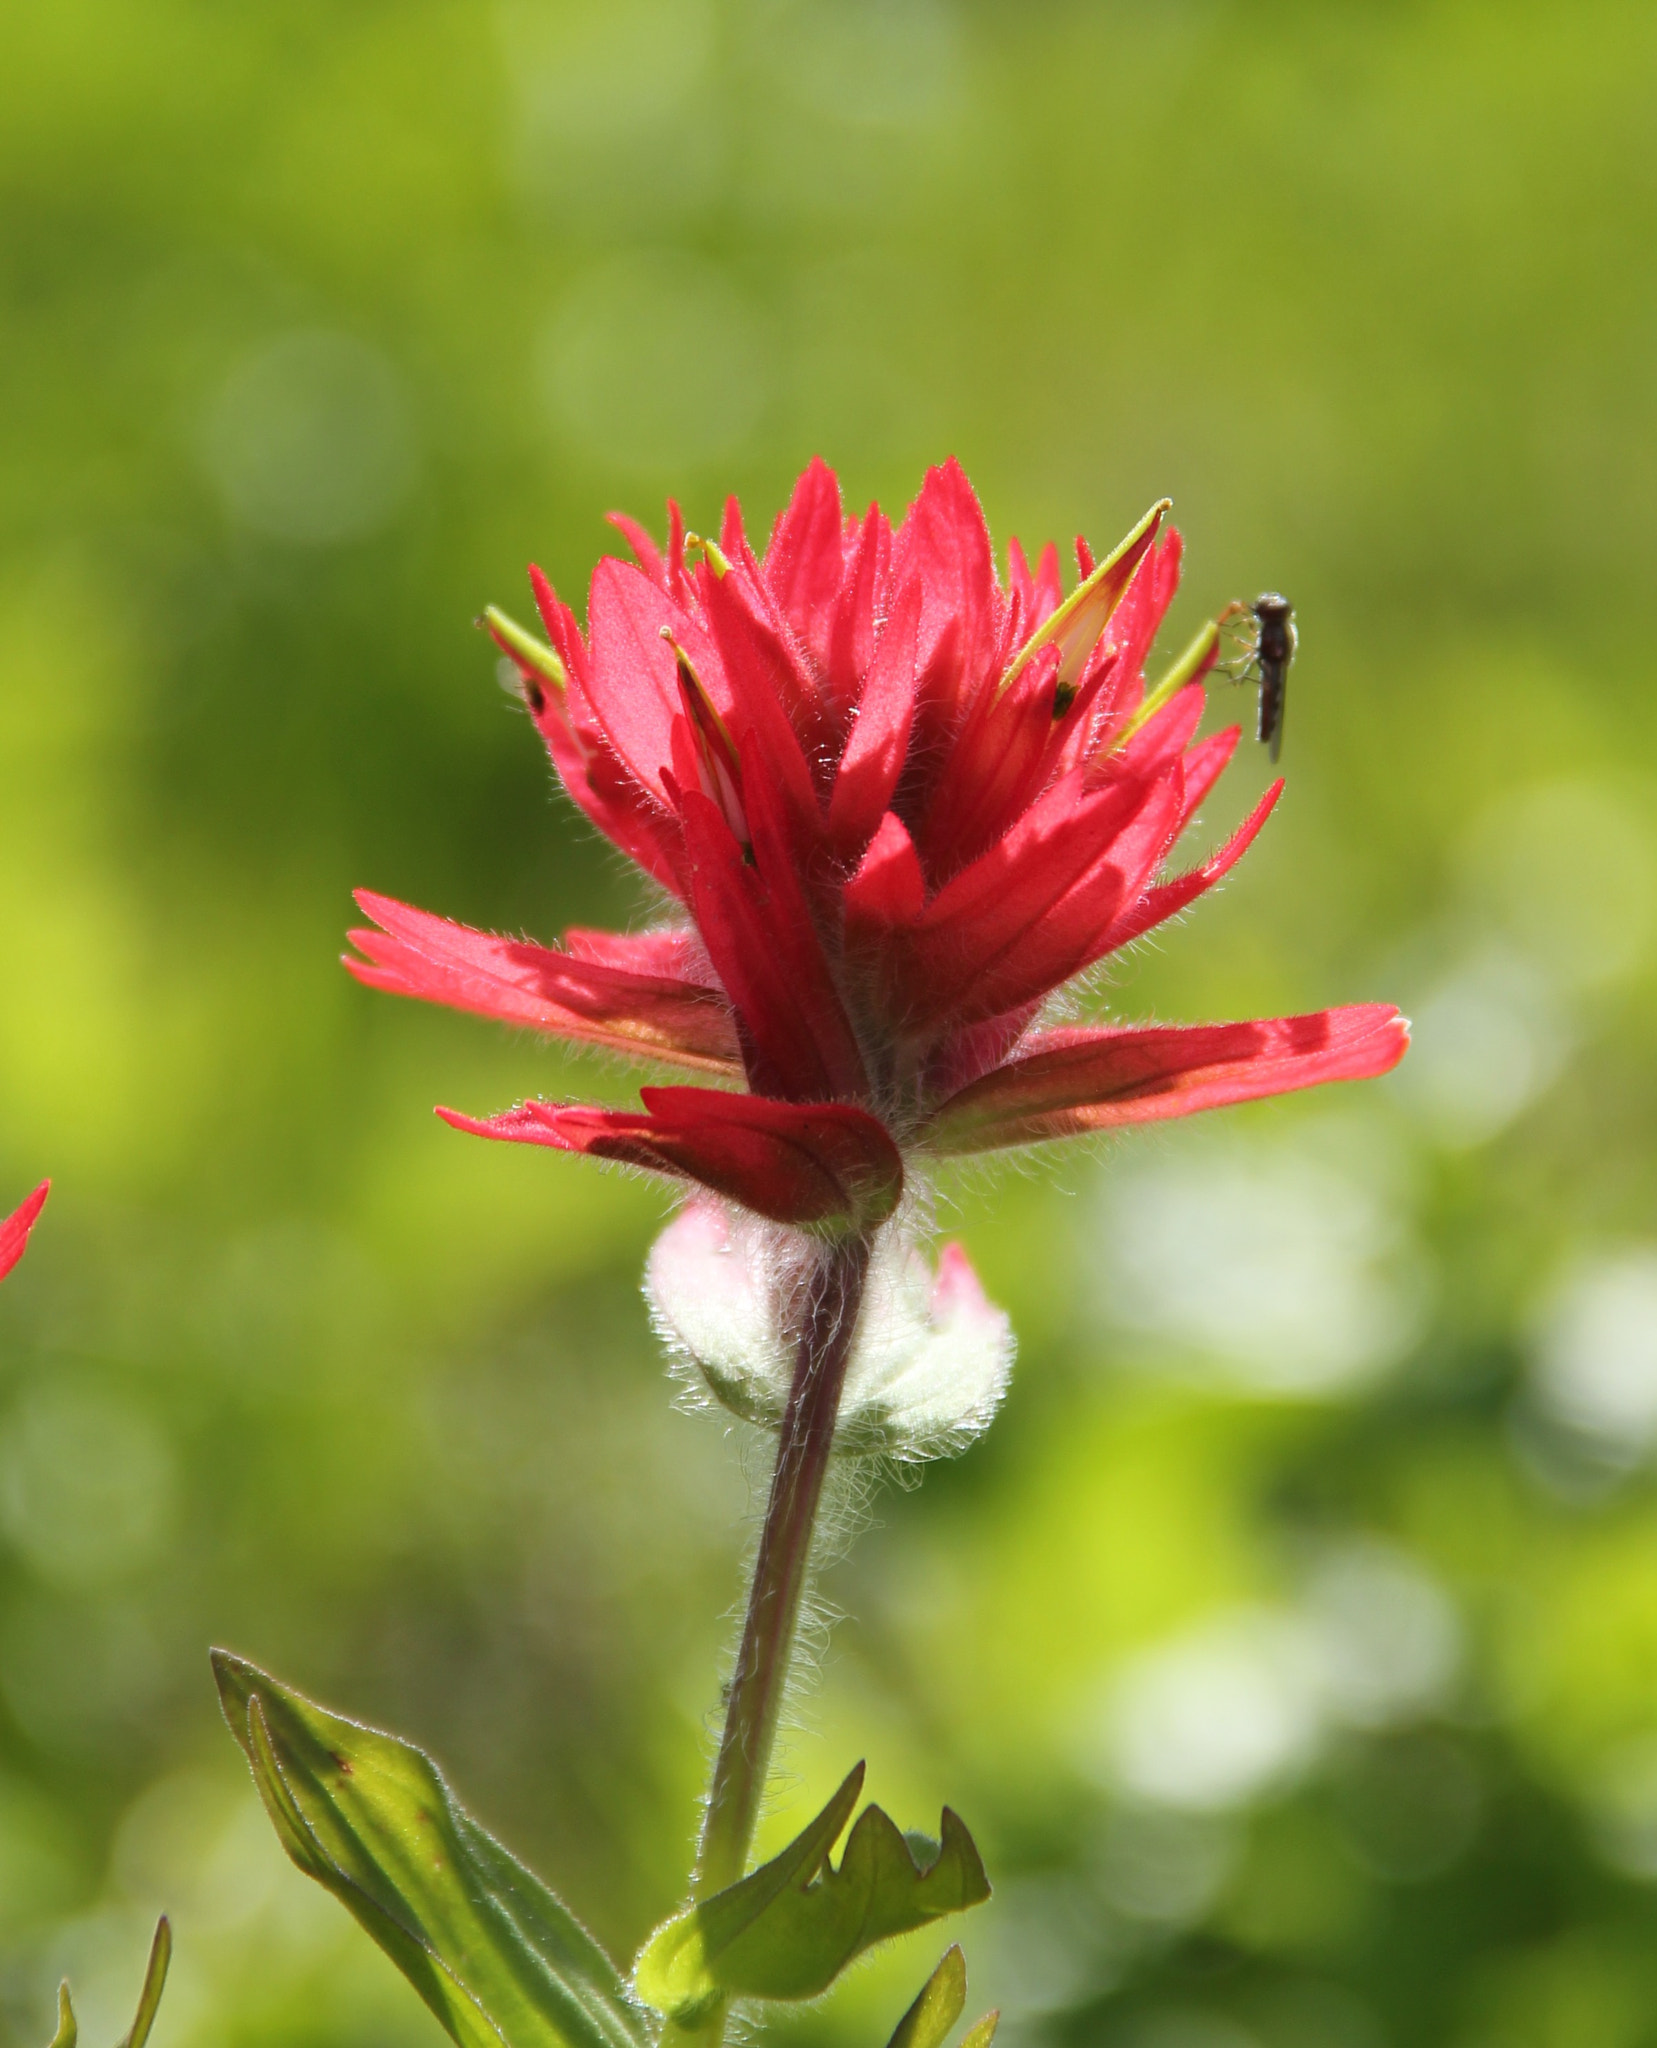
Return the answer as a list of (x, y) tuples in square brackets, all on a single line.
[(929, 1362)]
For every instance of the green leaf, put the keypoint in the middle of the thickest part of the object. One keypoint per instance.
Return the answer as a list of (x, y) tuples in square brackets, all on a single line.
[(68, 2033), (943, 1996), (155, 1977), (499, 1961), (941, 2002), (789, 1928), (149, 1998)]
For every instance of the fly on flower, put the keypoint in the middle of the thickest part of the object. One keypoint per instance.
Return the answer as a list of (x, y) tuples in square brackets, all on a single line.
[(1267, 652), (897, 804)]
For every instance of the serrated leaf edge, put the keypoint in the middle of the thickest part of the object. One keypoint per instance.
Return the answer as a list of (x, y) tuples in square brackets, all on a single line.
[(683, 1937), (806, 1853)]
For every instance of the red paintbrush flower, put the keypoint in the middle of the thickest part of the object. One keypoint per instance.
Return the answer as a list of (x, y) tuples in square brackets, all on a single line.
[(14, 1230), (899, 806)]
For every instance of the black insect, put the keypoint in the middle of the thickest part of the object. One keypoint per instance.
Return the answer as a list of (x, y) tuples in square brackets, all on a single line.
[(1264, 659), (1274, 649)]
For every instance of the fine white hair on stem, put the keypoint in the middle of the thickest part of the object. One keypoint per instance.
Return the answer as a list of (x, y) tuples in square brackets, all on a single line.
[(926, 1366), (846, 1509)]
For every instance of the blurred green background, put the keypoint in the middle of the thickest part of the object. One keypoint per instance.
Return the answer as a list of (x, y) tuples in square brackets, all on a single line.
[(1291, 1643)]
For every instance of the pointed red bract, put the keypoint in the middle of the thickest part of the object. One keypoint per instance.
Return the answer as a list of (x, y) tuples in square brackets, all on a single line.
[(1072, 1082), (634, 681), (867, 776), (752, 912), (645, 551), (887, 894), (1025, 917), (944, 544), (821, 1166), (901, 804), (862, 606), (772, 699), (14, 1231), (650, 1014), (805, 561), (1167, 899)]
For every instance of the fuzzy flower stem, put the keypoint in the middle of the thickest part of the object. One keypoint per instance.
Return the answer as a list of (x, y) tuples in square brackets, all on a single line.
[(780, 1569)]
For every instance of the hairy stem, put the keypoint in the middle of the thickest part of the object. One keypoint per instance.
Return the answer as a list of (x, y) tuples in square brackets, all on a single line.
[(780, 1569)]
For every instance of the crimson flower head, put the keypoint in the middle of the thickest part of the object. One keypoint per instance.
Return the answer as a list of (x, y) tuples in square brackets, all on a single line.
[(896, 805)]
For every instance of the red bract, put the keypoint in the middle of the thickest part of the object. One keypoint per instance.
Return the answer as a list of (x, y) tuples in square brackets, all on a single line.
[(899, 805), (14, 1230)]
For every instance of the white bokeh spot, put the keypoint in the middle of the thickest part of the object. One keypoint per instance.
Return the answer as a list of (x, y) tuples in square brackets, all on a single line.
[(1594, 1364), (311, 440), (1275, 1267), (1241, 1704), (1218, 1716)]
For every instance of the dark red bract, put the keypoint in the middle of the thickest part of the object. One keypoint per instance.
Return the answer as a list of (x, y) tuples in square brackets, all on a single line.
[(900, 805)]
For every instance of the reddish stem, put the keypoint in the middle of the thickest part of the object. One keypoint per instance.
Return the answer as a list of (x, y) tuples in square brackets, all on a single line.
[(834, 1297)]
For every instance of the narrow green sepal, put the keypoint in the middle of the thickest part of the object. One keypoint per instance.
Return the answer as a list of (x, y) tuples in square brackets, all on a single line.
[(789, 1929), (711, 553), (1195, 661), (942, 2000), (982, 2032), (68, 2032), (492, 1952), (1076, 625), (533, 657), (149, 1997)]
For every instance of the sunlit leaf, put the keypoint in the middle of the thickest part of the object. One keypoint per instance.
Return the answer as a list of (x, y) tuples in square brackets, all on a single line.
[(789, 1929), (982, 2032), (942, 1998), (499, 1961)]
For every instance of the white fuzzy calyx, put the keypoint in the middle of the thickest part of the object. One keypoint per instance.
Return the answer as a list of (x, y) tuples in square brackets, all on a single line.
[(929, 1363)]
